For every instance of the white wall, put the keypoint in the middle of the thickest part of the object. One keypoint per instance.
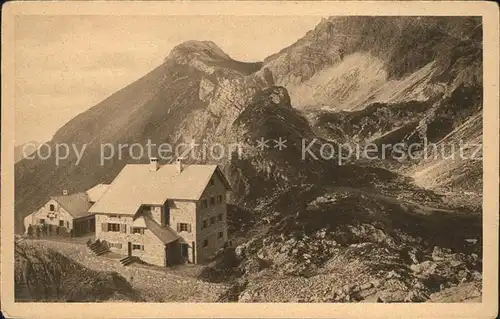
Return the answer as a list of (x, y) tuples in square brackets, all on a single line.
[(59, 214)]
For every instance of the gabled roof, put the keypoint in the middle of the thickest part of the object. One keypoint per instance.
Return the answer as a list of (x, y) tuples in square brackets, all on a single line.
[(136, 185), (77, 205), (95, 193), (139, 222), (165, 233)]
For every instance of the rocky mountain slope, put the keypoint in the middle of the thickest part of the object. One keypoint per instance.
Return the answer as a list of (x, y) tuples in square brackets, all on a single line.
[(400, 242), (199, 91), (301, 220), (389, 80), (346, 63)]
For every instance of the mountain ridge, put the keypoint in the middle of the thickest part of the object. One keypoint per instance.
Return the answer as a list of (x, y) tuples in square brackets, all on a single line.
[(210, 91), (377, 230), (200, 93), (395, 47)]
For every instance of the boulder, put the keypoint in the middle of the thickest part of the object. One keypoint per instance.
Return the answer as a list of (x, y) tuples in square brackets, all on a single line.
[(240, 251), (416, 296), (439, 253)]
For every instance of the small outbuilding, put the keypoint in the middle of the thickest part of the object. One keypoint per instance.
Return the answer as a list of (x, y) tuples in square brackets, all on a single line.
[(67, 214)]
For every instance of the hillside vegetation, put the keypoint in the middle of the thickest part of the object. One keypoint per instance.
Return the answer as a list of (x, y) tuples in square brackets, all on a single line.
[(42, 274)]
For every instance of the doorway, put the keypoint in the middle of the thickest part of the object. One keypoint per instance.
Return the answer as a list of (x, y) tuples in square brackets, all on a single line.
[(166, 256), (129, 248), (184, 252)]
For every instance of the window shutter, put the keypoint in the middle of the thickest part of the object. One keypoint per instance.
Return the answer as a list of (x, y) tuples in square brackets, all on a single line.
[(104, 227), (178, 227), (123, 228), (189, 227)]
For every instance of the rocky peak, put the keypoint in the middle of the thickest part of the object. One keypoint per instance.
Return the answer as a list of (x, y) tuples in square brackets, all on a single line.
[(207, 57), (200, 49), (202, 55)]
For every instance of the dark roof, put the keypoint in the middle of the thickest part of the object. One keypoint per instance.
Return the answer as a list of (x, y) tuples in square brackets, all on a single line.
[(165, 233), (223, 178), (75, 204)]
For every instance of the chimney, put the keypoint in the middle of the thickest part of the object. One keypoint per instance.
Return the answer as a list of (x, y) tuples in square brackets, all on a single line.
[(65, 192), (153, 164), (178, 163)]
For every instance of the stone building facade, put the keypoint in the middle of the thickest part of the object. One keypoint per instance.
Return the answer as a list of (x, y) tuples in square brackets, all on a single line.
[(180, 217), (211, 221), (129, 238)]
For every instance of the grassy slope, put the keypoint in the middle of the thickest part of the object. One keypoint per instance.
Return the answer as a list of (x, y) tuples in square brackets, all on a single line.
[(42, 274)]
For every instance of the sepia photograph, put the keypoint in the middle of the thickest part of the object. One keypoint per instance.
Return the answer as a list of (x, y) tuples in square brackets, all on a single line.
[(302, 157)]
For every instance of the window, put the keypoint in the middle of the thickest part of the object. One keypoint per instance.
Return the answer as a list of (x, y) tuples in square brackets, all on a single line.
[(61, 223), (221, 234), (113, 227), (204, 224), (41, 221), (219, 217), (138, 230), (183, 227), (212, 181), (205, 243), (52, 207), (219, 199), (204, 203), (212, 201), (67, 224), (137, 247), (212, 220)]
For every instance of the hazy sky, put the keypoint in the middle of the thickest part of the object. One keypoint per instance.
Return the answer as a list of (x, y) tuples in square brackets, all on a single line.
[(66, 64)]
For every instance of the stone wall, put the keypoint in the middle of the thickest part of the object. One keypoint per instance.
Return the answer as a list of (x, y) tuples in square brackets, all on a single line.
[(152, 249), (184, 212), (211, 232)]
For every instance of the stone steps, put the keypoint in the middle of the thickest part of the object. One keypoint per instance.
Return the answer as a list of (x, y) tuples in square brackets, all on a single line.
[(127, 260), (98, 248)]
